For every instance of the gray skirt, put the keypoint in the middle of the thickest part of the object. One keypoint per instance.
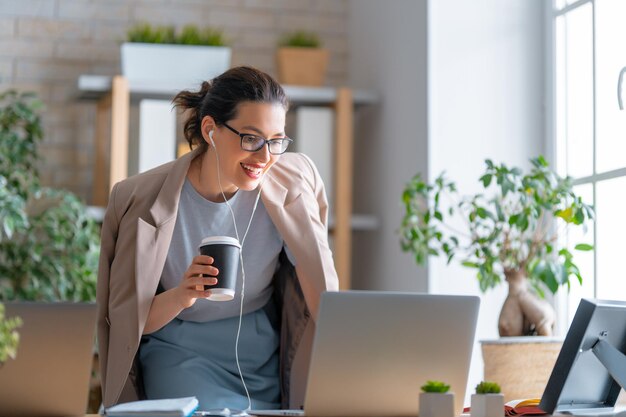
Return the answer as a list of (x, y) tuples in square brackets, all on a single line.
[(187, 358)]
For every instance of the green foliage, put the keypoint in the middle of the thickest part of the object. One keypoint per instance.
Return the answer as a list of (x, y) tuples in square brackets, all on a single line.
[(48, 245), (435, 386), (300, 39), (485, 387), (189, 35), (9, 337), (514, 228), (146, 33)]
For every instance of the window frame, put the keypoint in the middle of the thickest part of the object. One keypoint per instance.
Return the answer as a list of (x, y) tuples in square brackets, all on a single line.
[(563, 298)]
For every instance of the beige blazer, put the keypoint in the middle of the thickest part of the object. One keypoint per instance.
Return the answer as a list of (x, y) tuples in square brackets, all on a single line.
[(136, 234)]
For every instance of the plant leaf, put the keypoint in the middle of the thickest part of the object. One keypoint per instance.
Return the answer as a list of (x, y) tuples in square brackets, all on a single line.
[(583, 247)]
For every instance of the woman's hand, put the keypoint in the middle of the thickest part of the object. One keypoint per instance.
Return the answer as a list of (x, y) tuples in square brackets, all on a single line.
[(201, 272), (170, 303)]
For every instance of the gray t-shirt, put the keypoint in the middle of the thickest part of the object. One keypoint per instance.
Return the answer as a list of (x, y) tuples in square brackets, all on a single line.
[(199, 218)]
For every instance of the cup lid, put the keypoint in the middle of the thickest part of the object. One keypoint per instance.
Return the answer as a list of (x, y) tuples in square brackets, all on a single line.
[(220, 240)]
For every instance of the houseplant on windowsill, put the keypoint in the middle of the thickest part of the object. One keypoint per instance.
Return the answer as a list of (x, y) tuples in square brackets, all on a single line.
[(435, 400), (184, 58), (301, 60), (510, 234)]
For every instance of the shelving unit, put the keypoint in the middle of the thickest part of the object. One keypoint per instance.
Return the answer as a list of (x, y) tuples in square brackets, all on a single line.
[(115, 94)]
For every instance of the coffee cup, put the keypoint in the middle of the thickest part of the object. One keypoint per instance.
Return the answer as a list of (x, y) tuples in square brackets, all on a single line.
[(225, 253)]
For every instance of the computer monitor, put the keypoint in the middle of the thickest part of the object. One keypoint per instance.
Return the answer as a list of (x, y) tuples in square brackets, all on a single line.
[(591, 367)]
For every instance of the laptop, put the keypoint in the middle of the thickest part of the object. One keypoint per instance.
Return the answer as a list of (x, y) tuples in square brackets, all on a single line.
[(50, 375), (372, 351)]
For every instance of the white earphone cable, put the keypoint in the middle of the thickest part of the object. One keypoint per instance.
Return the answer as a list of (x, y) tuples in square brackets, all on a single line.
[(243, 272)]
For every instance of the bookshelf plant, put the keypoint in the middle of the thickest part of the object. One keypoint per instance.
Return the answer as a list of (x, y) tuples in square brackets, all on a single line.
[(301, 60), (182, 57)]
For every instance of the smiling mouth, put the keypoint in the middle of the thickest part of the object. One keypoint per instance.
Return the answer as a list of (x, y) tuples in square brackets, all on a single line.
[(255, 171)]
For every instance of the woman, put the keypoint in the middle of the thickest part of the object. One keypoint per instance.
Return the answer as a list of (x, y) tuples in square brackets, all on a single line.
[(158, 335)]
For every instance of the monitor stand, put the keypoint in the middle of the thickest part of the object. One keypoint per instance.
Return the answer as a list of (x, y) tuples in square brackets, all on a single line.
[(612, 359), (615, 362)]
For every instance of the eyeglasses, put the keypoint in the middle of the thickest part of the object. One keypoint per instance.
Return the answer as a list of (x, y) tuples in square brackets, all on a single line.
[(254, 143)]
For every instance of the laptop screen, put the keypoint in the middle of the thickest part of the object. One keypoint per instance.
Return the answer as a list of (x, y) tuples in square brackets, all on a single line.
[(50, 375), (373, 351)]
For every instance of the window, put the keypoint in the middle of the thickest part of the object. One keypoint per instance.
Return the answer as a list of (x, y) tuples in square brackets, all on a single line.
[(590, 136)]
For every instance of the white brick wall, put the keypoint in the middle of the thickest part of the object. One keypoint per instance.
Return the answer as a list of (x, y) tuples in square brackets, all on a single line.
[(7, 28), (90, 10), (40, 28), (46, 44), (44, 8)]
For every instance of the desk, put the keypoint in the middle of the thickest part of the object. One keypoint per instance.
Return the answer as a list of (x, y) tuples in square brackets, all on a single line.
[(114, 94)]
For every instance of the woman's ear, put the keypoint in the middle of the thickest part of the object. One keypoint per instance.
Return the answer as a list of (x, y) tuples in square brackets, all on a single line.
[(207, 126)]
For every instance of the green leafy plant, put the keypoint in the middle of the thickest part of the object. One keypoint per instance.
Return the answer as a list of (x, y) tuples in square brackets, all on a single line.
[(513, 229), (191, 35), (9, 337), (485, 387), (146, 33), (49, 246), (300, 39), (512, 232), (435, 386), (188, 35)]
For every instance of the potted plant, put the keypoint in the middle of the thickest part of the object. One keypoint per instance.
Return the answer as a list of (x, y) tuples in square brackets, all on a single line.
[(9, 337), (435, 400), (510, 234), (487, 401), (49, 246), (160, 53), (301, 60)]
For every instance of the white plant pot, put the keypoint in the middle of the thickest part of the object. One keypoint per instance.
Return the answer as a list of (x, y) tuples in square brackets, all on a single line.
[(186, 65), (434, 404), (487, 405)]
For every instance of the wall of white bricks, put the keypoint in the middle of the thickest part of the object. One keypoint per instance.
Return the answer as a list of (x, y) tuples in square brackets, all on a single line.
[(46, 44)]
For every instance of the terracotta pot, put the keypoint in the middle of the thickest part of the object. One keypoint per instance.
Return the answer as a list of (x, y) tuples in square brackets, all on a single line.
[(302, 66)]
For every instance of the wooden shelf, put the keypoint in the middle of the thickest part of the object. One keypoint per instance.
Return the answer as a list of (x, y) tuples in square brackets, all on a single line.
[(94, 87), (114, 95)]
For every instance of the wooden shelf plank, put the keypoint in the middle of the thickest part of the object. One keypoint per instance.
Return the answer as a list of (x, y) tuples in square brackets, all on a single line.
[(93, 87)]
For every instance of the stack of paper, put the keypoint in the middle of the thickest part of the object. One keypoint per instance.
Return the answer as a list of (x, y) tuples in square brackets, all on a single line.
[(171, 407)]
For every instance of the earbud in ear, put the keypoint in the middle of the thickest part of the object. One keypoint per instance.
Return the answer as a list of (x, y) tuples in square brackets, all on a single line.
[(211, 137)]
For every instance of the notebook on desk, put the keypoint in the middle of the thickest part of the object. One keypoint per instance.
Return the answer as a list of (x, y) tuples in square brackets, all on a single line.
[(50, 376), (372, 352)]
